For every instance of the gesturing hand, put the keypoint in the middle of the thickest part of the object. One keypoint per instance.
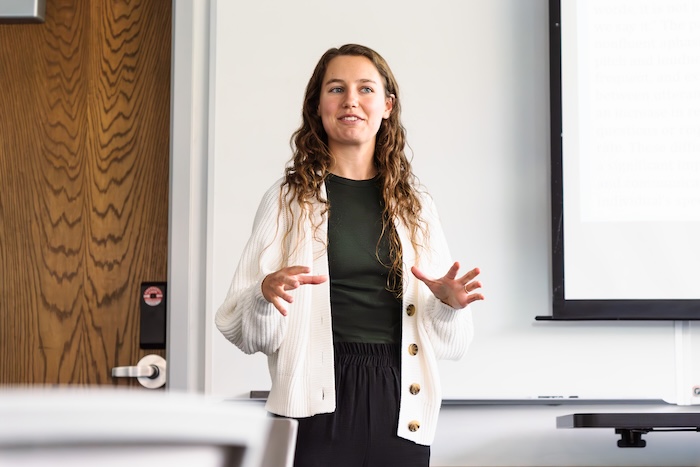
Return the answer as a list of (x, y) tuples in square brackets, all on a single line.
[(456, 292), (275, 285)]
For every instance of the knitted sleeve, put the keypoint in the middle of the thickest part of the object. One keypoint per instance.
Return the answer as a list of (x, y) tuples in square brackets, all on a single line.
[(245, 318), (450, 331)]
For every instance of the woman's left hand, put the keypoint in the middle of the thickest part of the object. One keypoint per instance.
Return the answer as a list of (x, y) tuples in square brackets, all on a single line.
[(456, 292)]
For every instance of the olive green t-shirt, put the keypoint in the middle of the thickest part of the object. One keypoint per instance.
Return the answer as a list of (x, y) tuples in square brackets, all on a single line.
[(362, 308)]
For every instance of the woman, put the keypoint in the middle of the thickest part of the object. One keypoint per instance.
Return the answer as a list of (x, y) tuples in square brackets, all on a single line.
[(322, 287)]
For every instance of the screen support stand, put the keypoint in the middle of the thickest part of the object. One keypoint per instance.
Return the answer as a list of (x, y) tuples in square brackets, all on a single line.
[(631, 438)]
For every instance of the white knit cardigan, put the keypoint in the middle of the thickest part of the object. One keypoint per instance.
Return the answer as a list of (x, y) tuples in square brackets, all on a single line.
[(300, 346)]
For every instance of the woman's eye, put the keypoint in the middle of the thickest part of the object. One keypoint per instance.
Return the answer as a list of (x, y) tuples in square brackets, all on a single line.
[(367, 89), (335, 90)]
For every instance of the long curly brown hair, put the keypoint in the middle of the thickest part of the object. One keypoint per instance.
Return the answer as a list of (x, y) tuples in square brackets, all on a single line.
[(310, 164)]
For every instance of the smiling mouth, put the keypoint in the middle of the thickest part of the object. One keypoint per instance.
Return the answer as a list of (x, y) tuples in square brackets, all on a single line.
[(350, 119)]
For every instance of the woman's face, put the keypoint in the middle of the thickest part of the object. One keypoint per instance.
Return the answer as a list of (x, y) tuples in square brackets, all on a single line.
[(353, 102)]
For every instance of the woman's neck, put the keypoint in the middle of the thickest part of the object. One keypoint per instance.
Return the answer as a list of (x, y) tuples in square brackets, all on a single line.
[(355, 165)]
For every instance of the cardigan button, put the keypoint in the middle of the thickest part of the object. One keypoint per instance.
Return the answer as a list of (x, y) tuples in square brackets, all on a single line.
[(413, 426), (411, 310), (414, 388), (413, 349)]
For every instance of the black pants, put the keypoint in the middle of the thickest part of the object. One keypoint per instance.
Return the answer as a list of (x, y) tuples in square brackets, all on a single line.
[(362, 430)]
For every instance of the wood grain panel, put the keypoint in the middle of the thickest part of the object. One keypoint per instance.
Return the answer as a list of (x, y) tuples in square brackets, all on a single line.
[(84, 161)]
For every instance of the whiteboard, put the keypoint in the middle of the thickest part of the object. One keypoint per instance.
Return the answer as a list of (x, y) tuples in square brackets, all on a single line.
[(474, 83)]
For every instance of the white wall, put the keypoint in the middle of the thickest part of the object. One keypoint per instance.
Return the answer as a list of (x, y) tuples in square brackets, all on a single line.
[(475, 88), (526, 436)]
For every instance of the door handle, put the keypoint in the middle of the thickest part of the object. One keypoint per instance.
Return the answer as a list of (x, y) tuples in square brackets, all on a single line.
[(150, 371)]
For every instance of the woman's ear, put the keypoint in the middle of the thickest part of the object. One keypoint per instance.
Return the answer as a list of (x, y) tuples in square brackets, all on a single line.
[(389, 106)]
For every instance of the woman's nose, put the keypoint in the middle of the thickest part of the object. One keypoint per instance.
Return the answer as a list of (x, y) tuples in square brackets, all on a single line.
[(350, 99)]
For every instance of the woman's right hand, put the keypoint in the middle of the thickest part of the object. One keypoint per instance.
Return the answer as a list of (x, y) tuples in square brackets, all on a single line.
[(275, 285)]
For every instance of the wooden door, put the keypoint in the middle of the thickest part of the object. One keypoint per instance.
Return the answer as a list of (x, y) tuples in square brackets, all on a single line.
[(84, 170)]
